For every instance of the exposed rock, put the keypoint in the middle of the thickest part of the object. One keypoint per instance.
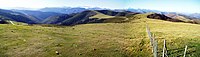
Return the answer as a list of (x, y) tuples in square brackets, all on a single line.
[(57, 53)]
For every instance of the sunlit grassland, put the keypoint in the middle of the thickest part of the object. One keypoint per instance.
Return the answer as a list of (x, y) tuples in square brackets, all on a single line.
[(99, 40), (82, 40), (101, 16), (177, 36)]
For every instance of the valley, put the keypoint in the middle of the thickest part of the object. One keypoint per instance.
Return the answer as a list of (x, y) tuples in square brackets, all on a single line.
[(96, 32), (126, 39), (99, 28)]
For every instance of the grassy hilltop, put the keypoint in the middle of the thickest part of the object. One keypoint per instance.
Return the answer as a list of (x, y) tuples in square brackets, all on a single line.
[(99, 40)]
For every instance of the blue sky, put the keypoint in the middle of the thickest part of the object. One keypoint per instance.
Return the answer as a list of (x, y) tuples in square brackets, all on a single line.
[(167, 5), (163, 5), (113, 4)]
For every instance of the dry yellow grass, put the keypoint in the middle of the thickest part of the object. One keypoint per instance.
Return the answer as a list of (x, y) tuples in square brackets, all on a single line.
[(99, 40)]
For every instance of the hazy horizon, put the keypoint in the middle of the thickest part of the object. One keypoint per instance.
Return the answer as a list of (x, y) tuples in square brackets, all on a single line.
[(189, 6)]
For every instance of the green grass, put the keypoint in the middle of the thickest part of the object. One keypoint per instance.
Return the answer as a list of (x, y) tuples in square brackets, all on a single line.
[(109, 19), (177, 36), (101, 16), (82, 40), (16, 23), (99, 40)]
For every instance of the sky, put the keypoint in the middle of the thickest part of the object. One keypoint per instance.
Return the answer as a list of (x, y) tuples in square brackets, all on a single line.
[(192, 6), (113, 4)]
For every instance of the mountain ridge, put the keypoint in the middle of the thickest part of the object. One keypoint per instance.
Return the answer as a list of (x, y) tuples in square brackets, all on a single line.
[(16, 16), (79, 15)]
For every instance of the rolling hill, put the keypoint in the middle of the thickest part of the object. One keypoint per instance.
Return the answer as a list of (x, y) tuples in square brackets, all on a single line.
[(38, 14), (57, 16), (127, 39), (16, 16), (117, 34), (89, 16), (163, 17)]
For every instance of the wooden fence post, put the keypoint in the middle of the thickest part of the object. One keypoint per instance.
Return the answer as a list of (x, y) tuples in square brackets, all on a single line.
[(153, 42), (163, 55), (155, 47), (164, 49), (149, 34), (185, 51)]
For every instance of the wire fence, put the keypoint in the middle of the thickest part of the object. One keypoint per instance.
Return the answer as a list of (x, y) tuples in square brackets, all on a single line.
[(154, 45)]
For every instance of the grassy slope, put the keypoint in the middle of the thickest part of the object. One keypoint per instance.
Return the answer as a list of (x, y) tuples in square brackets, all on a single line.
[(101, 15), (177, 36), (83, 40), (99, 40), (110, 19)]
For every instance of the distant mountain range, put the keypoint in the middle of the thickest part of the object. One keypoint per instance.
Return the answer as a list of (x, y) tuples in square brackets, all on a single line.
[(69, 10), (16, 16), (78, 15), (66, 10), (89, 16), (39, 15)]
